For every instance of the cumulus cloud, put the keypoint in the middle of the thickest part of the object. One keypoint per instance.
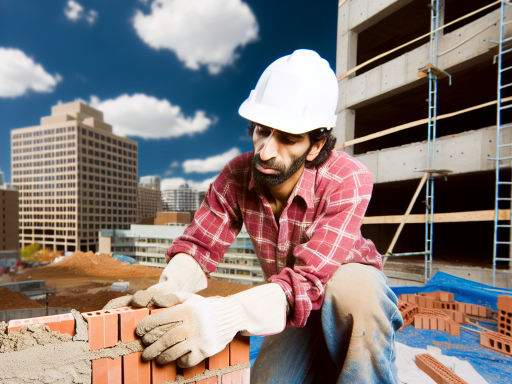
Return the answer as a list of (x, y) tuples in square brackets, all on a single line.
[(210, 164), (19, 74), (148, 117), (75, 12), (200, 32), (175, 182)]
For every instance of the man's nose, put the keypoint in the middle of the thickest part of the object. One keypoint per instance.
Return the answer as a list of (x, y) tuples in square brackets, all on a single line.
[(270, 147)]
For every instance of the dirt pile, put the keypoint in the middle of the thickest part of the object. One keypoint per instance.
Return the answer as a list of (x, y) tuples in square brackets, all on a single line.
[(90, 264), (84, 302), (16, 300)]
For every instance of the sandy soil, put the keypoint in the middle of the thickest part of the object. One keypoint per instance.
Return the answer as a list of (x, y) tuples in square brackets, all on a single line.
[(81, 281)]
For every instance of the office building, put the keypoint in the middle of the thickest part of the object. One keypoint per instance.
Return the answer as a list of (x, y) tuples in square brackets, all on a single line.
[(148, 244), (184, 198), (9, 232), (149, 202), (151, 182), (75, 177)]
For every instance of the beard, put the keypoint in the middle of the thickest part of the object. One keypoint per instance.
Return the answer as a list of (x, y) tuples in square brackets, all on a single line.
[(283, 173)]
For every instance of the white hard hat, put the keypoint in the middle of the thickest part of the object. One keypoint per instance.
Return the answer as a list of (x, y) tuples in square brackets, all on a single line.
[(296, 94)]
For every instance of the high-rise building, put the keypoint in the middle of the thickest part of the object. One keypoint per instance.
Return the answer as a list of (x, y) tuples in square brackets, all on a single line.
[(184, 198), (149, 202), (2, 178), (151, 182), (75, 177), (9, 236)]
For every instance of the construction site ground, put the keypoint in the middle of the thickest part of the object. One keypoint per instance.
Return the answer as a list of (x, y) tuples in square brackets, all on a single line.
[(82, 281)]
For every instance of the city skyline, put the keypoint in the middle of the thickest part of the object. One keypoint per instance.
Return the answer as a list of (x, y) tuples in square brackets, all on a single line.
[(181, 108)]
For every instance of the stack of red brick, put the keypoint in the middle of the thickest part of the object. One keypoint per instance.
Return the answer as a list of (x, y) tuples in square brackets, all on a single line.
[(439, 311), (107, 328), (500, 341)]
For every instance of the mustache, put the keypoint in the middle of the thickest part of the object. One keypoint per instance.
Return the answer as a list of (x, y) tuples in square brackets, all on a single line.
[(272, 163)]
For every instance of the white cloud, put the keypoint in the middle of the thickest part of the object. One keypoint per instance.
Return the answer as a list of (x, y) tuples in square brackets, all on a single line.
[(19, 74), (175, 182), (175, 164), (74, 12), (210, 164), (200, 32), (148, 117)]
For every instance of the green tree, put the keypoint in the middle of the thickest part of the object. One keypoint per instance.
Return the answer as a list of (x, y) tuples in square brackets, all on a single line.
[(29, 253)]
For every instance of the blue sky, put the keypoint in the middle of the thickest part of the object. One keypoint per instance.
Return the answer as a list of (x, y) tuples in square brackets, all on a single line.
[(170, 74)]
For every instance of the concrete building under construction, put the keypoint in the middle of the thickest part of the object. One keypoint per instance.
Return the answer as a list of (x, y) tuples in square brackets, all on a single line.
[(393, 90)]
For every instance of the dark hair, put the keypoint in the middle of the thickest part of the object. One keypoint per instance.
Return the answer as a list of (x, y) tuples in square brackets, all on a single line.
[(314, 137)]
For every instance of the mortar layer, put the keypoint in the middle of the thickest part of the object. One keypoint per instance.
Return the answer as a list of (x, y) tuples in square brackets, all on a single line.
[(29, 337)]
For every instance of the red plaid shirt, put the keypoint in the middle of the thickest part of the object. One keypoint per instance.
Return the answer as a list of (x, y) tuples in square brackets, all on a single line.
[(319, 229)]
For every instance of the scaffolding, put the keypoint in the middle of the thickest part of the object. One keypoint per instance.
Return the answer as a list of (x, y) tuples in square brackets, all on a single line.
[(504, 47)]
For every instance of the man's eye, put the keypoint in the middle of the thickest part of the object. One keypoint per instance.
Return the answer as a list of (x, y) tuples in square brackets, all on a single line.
[(263, 131), (287, 140)]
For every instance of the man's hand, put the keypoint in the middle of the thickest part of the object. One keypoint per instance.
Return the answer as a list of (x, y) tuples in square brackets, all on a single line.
[(143, 298), (200, 328), (190, 332), (182, 273)]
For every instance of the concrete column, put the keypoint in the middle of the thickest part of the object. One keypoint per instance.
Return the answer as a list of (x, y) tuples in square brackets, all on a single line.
[(346, 45), (346, 58), (345, 128)]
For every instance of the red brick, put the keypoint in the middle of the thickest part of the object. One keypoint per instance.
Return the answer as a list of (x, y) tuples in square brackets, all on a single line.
[(107, 371), (452, 328), (441, 326), (103, 328), (239, 350), (446, 296), (162, 373), (52, 321), (67, 324), (136, 370), (505, 303), (436, 370), (238, 377), (198, 369), (210, 380), (496, 342), (418, 321), (456, 316), (218, 361), (129, 318)]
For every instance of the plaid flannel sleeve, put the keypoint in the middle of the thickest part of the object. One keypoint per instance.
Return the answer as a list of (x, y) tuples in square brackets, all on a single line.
[(214, 228), (333, 238)]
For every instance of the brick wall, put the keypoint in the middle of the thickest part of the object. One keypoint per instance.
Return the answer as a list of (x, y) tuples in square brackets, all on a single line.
[(115, 350)]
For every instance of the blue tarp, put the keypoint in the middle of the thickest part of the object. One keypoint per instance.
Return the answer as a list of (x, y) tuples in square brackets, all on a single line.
[(126, 259), (465, 291), (495, 367)]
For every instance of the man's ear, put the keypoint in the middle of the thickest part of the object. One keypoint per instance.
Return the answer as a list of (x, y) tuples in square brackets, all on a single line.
[(315, 149)]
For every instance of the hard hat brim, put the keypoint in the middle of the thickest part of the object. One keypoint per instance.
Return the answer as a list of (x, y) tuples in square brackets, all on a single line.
[(274, 118)]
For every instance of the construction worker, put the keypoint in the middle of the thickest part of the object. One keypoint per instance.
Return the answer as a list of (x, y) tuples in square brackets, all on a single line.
[(327, 311)]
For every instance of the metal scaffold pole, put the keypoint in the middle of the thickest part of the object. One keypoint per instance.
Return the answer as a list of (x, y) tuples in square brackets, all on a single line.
[(431, 139), (503, 147)]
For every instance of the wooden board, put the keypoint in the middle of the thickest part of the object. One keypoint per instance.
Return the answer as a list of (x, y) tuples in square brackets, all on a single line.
[(453, 217)]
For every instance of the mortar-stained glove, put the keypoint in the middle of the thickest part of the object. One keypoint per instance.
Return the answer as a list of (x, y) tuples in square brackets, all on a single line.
[(181, 274), (202, 327)]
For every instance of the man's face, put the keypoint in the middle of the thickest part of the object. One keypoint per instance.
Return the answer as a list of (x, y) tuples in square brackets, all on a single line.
[(277, 154)]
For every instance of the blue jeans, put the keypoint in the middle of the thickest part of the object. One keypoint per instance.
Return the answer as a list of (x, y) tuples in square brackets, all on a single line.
[(351, 339)]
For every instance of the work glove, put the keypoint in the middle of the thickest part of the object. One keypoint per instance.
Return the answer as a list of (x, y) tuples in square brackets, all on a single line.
[(182, 274), (202, 327)]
